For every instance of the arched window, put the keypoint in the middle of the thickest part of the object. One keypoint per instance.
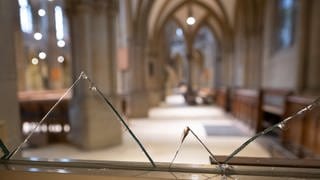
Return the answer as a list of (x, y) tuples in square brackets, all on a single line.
[(25, 16), (284, 24), (44, 57), (58, 22)]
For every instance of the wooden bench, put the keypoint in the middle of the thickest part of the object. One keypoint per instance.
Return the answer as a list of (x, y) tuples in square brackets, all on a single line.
[(34, 106), (222, 98), (273, 105), (274, 100), (302, 135), (246, 106)]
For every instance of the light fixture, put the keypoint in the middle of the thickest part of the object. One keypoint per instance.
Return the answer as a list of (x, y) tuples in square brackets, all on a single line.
[(66, 128), (41, 12), (42, 55), (190, 20), (37, 36), (61, 43), (60, 59), (34, 61)]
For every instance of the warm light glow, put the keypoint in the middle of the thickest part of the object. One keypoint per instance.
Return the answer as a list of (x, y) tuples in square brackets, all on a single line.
[(41, 12), (61, 43), (55, 128), (37, 36), (34, 61), (191, 20), (66, 128), (60, 59), (44, 128), (42, 55), (27, 127)]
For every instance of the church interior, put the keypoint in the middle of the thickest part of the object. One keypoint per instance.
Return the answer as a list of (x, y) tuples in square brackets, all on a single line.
[(141, 80)]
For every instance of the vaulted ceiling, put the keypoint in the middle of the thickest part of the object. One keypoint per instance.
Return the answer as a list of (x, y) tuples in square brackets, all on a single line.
[(218, 14)]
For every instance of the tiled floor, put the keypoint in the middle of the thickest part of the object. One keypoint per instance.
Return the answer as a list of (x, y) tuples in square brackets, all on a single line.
[(161, 133)]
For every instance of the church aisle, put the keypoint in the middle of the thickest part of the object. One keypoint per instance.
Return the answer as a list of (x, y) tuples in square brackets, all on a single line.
[(161, 133)]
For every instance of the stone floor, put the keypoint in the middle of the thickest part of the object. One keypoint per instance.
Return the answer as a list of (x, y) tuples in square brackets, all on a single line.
[(161, 134)]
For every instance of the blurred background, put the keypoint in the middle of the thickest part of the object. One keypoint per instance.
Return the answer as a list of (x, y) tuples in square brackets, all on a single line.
[(226, 68)]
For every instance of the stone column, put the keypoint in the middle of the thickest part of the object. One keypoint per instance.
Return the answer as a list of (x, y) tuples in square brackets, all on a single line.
[(226, 66), (159, 51), (254, 33), (313, 62), (253, 61), (52, 52), (93, 125), (139, 91), (154, 77), (138, 102), (9, 107)]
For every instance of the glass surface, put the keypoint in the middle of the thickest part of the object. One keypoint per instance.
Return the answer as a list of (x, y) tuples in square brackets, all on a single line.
[(176, 132)]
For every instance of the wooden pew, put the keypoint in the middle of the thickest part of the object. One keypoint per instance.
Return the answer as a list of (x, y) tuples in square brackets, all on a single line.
[(246, 106), (273, 105), (222, 98), (34, 106), (302, 135)]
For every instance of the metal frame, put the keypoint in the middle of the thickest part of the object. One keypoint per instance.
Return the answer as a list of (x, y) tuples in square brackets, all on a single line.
[(244, 166)]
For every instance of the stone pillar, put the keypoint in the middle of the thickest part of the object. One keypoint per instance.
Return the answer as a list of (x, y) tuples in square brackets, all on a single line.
[(226, 66), (9, 107), (253, 61), (138, 99), (154, 77), (139, 93), (138, 104), (313, 62), (160, 52), (93, 125), (190, 59), (254, 34), (54, 81)]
